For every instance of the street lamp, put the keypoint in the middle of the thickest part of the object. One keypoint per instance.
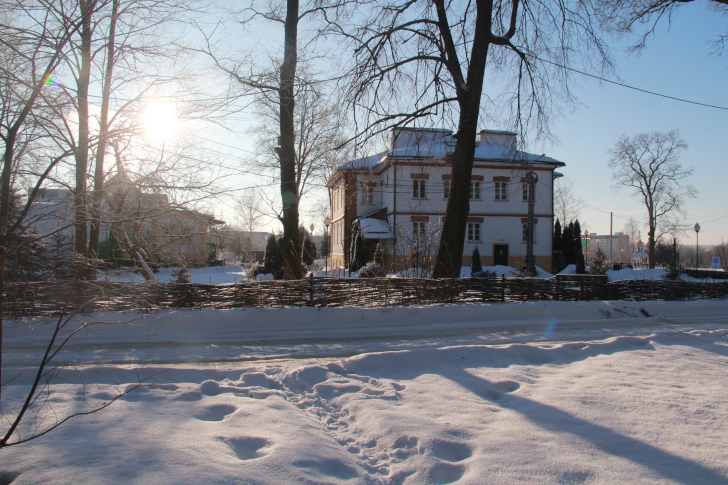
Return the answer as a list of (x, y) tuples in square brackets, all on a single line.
[(327, 222), (697, 246)]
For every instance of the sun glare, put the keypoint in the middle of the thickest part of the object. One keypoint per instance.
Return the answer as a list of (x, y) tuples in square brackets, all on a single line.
[(160, 120)]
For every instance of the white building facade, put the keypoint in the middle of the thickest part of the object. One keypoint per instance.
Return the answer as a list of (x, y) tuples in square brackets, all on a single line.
[(398, 199)]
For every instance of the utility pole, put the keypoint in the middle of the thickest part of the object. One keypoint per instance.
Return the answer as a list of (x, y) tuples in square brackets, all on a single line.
[(611, 219), (531, 180)]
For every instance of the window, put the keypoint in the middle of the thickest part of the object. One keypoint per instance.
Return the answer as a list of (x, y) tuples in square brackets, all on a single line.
[(473, 231), (525, 192), (500, 191), (474, 190), (367, 195), (418, 189), (418, 231), (446, 187)]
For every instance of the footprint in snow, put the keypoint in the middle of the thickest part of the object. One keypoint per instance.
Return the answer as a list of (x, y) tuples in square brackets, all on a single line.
[(451, 451), (218, 412), (497, 390), (445, 473), (247, 448)]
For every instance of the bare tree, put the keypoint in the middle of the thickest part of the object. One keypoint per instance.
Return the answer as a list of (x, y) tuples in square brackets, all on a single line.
[(642, 17), (567, 205), (427, 62), (648, 164), (283, 84), (249, 209)]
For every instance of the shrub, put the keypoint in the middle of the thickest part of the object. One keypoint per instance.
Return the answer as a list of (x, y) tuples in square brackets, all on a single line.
[(372, 270), (255, 270)]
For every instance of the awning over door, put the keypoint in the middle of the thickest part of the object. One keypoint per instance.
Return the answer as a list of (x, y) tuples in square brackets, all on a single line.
[(375, 228)]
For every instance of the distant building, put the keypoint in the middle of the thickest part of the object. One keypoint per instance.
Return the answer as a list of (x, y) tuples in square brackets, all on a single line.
[(167, 233), (617, 247)]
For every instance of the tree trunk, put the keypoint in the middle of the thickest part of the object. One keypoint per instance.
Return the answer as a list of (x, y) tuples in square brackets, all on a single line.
[(452, 241), (82, 146), (286, 151), (139, 262), (93, 243)]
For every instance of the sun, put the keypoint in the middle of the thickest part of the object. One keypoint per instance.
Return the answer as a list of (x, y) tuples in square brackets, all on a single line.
[(160, 121)]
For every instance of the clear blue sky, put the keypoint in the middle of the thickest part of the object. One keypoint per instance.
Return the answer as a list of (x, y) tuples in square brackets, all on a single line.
[(676, 63)]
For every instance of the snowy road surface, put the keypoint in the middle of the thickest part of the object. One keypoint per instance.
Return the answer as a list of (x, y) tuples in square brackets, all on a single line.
[(542, 392)]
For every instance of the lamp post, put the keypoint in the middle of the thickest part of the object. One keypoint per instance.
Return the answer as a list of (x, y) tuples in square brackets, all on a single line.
[(697, 246), (327, 222)]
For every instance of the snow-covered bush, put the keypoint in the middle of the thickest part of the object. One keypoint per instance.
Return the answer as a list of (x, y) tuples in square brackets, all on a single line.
[(254, 271), (182, 276), (372, 270)]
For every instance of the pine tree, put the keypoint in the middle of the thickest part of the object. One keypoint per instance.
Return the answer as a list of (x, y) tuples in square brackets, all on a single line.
[(273, 259), (308, 253), (357, 249), (476, 267), (567, 245), (557, 245)]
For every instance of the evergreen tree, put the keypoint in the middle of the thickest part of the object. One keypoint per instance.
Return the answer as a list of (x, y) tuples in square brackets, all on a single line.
[(476, 267), (324, 246), (578, 253), (557, 245), (567, 246), (357, 249), (273, 259), (309, 251)]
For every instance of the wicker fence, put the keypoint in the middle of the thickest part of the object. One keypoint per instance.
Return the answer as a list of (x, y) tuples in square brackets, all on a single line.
[(48, 298)]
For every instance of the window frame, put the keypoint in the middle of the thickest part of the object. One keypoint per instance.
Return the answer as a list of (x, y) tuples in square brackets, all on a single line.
[(501, 190), (473, 232), (474, 193), (419, 230), (418, 189)]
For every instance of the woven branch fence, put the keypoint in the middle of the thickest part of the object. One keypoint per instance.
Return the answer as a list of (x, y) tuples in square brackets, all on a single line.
[(51, 298)]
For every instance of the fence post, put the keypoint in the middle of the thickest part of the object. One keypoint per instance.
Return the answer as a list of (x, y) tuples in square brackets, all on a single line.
[(581, 287), (558, 288), (310, 290), (503, 287)]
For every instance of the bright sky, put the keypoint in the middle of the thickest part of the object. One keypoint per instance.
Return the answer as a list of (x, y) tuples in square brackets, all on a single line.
[(676, 63)]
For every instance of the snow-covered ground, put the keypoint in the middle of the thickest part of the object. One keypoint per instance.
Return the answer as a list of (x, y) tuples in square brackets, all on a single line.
[(536, 392)]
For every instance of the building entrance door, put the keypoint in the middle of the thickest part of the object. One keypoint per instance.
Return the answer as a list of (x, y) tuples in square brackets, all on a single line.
[(500, 254)]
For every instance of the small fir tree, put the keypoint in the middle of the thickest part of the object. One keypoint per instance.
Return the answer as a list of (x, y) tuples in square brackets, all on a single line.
[(599, 263), (182, 276), (273, 259), (476, 267), (308, 254), (357, 249)]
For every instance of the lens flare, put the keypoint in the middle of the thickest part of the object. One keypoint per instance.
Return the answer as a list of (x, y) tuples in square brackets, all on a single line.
[(551, 329), (49, 79)]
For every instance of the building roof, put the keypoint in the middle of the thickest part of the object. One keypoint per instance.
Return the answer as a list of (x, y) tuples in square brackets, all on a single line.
[(375, 228), (431, 143)]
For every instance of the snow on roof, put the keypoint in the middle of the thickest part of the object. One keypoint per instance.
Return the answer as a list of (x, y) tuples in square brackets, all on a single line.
[(438, 143), (375, 228), (363, 163)]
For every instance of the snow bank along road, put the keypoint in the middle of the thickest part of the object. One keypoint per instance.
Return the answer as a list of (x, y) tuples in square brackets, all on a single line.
[(250, 334)]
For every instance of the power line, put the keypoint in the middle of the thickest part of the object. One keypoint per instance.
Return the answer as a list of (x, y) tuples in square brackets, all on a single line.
[(627, 85)]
